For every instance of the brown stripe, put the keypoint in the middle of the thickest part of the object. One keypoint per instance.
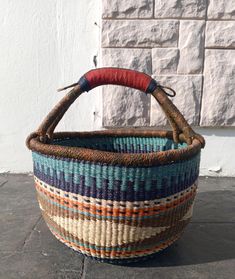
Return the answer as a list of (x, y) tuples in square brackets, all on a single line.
[(169, 218), (163, 236)]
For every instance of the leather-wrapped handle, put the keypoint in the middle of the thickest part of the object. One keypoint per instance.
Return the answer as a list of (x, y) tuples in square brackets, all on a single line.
[(117, 76), (124, 77)]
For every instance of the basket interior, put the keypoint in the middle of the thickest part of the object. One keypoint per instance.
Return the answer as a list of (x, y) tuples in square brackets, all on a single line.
[(122, 144)]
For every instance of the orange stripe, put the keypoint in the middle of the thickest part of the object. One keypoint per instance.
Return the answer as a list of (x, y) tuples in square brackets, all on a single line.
[(115, 211)]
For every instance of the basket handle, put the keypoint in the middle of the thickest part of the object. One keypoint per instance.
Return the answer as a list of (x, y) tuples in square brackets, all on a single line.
[(124, 77)]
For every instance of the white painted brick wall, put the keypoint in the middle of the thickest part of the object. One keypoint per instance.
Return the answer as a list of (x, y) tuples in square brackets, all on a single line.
[(186, 44)]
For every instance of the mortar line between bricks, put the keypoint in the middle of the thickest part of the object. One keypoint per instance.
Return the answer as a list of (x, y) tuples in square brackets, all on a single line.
[(168, 19), (221, 48), (154, 19), (153, 15), (29, 233), (137, 47), (178, 42), (203, 67)]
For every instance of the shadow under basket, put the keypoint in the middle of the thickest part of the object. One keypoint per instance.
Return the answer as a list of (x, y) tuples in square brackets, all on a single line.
[(116, 195)]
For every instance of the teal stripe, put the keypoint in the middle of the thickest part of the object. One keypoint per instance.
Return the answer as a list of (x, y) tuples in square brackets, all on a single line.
[(116, 144), (115, 173)]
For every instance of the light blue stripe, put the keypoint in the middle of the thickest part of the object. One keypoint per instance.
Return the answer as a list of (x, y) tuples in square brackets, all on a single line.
[(112, 173), (120, 143)]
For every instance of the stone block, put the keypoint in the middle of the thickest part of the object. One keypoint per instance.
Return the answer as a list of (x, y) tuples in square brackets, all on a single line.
[(140, 33), (220, 34), (187, 99), (165, 60), (224, 9), (123, 106), (191, 45), (180, 8), (127, 9), (218, 100)]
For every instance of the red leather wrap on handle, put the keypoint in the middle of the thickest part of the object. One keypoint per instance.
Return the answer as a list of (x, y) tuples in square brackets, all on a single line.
[(117, 76)]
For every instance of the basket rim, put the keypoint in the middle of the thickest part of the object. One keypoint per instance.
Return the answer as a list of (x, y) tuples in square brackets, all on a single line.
[(115, 158)]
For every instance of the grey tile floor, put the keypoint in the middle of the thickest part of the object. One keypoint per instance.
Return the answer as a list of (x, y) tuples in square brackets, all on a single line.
[(28, 250)]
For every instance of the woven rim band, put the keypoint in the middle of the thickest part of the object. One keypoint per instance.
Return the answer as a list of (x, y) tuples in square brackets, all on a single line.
[(114, 158)]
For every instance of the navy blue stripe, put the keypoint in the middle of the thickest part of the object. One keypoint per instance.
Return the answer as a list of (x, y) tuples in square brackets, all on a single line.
[(152, 86), (84, 84), (116, 194)]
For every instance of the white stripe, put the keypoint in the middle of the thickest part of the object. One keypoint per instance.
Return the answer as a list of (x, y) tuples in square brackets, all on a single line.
[(107, 233)]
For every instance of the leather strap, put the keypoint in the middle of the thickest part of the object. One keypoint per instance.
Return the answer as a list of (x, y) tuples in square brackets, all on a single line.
[(117, 76)]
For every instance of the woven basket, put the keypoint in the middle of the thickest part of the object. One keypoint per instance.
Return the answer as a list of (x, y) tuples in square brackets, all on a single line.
[(116, 195)]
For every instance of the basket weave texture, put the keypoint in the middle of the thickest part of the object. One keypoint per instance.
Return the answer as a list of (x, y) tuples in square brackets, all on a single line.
[(116, 212), (115, 195)]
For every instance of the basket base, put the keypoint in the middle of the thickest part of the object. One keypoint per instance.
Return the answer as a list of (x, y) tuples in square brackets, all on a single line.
[(121, 261)]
